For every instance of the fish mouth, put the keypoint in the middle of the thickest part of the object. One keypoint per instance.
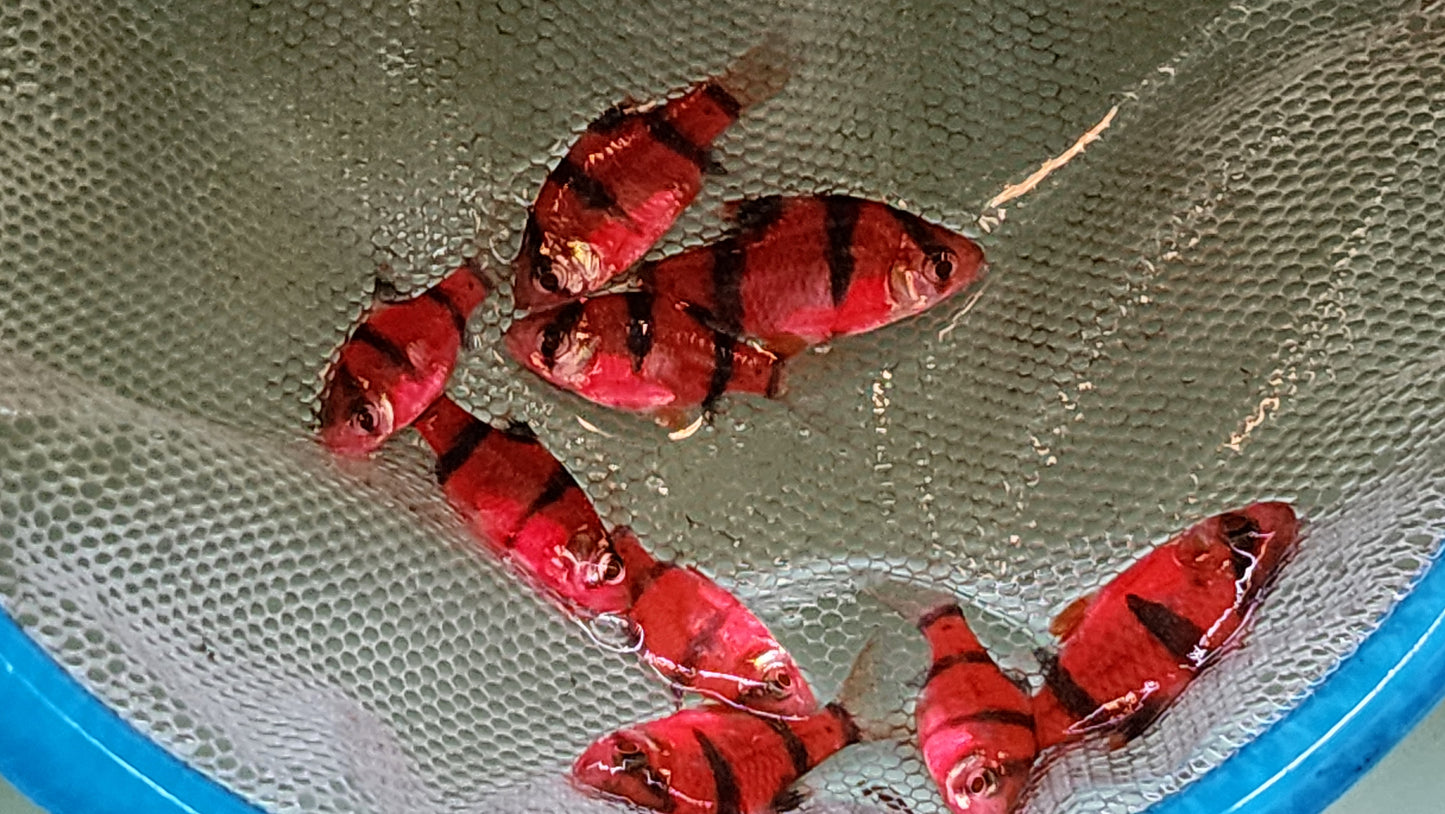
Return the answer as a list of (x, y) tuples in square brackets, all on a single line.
[(622, 767)]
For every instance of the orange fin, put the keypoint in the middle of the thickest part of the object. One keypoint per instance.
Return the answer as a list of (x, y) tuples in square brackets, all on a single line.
[(1070, 617), (788, 346)]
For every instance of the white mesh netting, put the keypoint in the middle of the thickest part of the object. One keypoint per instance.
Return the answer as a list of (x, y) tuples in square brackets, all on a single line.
[(1234, 295)]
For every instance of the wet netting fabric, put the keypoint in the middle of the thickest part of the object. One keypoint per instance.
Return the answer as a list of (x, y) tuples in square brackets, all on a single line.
[(1234, 294)]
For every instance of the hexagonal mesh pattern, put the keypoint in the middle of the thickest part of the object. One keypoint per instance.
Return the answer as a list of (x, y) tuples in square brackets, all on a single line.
[(1234, 295)]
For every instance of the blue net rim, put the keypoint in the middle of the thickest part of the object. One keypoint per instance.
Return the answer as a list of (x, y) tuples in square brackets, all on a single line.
[(71, 754)]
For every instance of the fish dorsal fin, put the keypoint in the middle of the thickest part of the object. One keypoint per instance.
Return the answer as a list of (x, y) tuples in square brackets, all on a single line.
[(789, 799), (1068, 620), (753, 214)]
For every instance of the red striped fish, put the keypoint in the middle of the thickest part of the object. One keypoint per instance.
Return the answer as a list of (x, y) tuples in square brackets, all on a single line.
[(799, 271), (975, 726), (634, 351), (397, 363), (714, 760), (525, 506), (628, 177), (1127, 651), (701, 639)]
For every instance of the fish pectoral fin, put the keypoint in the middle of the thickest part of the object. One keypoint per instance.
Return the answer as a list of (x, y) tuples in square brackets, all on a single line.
[(786, 347), (1068, 620), (790, 798)]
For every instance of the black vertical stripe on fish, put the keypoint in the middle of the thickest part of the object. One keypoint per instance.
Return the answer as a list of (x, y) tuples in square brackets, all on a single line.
[(641, 586), (639, 326), (729, 797), (919, 231), (840, 218), (372, 338), (440, 297), (851, 733), (922, 234), (947, 663), (610, 118), (1056, 677), (797, 750), (1007, 717), (592, 192), (927, 620), (562, 324), (461, 449), (723, 99), (727, 284), (757, 214), (666, 134), (552, 491), (539, 264), (722, 368), (701, 641), (1180, 636)]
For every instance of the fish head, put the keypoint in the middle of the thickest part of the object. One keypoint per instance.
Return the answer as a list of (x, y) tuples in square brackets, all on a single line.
[(628, 765), (356, 417), (770, 682), (598, 572), (927, 271), (557, 345), (549, 270), (1260, 536), (986, 783)]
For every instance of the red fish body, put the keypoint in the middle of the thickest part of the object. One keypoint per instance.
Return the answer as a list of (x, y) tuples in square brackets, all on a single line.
[(526, 507), (713, 759), (625, 181), (1128, 651), (701, 639), (975, 726), (397, 363), (633, 351), (799, 271)]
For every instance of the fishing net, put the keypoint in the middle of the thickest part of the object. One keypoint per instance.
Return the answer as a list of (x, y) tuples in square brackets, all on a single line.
[(1233, 295)]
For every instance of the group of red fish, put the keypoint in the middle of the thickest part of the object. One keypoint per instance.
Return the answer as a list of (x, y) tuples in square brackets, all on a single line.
[(793, 272)]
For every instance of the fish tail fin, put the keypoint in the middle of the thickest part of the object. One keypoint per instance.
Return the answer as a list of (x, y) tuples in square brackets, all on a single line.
[(761, 72), (464, 288), (868, 715), (915, 603)]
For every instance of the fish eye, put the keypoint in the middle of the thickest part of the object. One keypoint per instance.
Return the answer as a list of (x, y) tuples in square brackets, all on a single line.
[(612, 569), (942, 262), (548, 280), (627, 755), (366, 418), (981, 782), (1240, 531), (779, 681), (607, 569)]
